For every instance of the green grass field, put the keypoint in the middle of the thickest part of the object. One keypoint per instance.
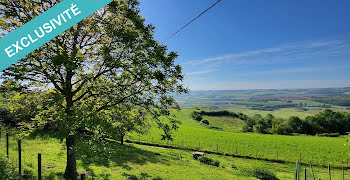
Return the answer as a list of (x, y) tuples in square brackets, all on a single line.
[(195, 135), (131, 161)]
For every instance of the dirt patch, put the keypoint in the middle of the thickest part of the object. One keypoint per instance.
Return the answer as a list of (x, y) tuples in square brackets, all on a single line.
[(49, 166)]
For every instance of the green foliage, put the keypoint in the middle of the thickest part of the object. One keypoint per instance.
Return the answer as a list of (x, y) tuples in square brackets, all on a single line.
[(259, 128), (263, 174), (295, 125), (7, 171), (278, 129), (208, 161), (205, 122), (219, 113), (195, 115), (109, 59), (329, 135), (324, 122)]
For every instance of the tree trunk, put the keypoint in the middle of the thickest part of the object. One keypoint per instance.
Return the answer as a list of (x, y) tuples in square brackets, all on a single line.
[(71, 168), (122, 139)]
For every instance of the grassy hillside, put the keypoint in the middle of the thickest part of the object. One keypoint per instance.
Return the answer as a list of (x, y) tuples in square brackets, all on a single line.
[(113, 161), (195, 135)]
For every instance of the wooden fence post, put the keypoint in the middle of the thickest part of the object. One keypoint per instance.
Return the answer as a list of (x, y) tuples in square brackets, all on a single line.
[(297, 171), (312, 170), (304, 173), (329, 171), (19, 157), (39, 166), (7, 145), (236, 150)]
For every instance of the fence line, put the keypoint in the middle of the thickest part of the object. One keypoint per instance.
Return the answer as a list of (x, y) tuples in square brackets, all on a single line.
[(130, 138), (215, 148)]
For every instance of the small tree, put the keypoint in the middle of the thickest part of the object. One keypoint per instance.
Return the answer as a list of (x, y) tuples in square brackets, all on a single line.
[(196, 116), (122, 120)]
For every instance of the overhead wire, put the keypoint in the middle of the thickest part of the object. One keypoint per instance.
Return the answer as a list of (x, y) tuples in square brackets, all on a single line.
[(183, 27)]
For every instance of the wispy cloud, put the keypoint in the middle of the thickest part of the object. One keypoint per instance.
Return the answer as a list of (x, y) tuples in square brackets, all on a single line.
[(282, 53), (303, 69), (199, 72)]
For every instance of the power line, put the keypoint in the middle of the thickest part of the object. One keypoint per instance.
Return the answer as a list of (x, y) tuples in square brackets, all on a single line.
[(191, 21)]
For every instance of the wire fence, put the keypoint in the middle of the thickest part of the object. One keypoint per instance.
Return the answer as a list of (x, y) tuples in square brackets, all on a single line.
[(244, 150), (11, 148)]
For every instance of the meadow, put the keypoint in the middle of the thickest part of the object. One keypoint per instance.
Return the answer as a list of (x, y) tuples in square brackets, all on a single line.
[(109, 160), (195, 135)]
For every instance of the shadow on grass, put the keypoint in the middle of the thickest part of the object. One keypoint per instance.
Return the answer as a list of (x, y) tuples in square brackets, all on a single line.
[(103, 154), (107, 153)]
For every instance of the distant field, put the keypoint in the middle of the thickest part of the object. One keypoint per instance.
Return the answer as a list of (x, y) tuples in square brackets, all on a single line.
[(269, 100), (196, 135), (282, 113)]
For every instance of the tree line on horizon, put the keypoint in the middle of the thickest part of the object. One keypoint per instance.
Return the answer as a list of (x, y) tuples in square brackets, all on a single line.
[(325, 123)]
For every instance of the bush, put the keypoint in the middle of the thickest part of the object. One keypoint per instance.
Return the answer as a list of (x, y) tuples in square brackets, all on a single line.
[(7, 172), (278, 129), (216, 163), (205, 122), (263, 174), (216, 128), (329, 135), (259, 129), (209, 161), (219, 113), (196, 116)]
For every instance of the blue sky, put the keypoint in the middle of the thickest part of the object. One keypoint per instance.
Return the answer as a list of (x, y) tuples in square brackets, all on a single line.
[(256, 44)]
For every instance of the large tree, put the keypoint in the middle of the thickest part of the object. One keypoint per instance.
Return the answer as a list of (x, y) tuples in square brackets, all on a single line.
[(109, 58)]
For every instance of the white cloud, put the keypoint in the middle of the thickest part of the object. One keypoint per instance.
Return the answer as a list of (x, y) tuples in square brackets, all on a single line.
[(303, 69), (199, 72), (282, 53)]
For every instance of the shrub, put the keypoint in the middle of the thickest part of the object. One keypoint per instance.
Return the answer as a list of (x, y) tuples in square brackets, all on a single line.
[(196, 116), (263, 174), (7, 171), (209, 161), (205, 122), (205, 160), (259, 129), (216, 128), (329, 135), (278, 129), (219, 113), (216, 163)]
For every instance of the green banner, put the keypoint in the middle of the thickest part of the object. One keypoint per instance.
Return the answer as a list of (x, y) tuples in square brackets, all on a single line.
[(44, 28)]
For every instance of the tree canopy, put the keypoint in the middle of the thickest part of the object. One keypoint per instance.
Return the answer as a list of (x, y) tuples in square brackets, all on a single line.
[(108, 60)]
